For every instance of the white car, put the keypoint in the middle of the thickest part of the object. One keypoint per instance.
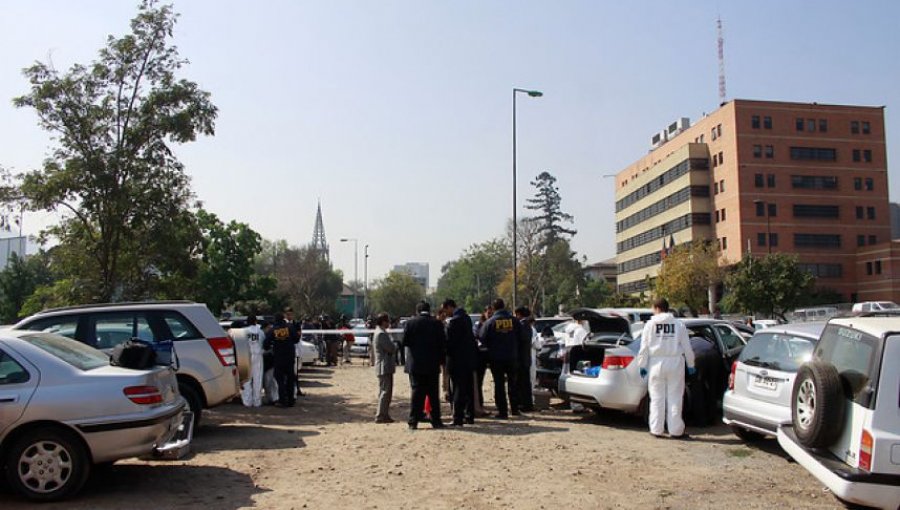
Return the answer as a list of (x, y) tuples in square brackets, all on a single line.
[(845, 411), (758, 399), (764, 323), (307, 353)]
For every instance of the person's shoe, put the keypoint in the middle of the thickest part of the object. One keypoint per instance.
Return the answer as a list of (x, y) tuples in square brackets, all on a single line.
[(470, 421), (517, 413), (384, 420), (413, 426), (501, 416), (683, 437), (438, 425)]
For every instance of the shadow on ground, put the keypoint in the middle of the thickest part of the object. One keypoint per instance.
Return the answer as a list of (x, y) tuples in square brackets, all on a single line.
[(231, 437)]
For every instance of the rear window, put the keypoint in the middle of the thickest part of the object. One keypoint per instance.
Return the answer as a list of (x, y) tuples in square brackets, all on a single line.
[(777, 351), (855, 355), (74, 353)]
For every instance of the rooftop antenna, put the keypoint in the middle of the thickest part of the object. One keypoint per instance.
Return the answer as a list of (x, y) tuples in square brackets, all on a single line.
[(721, 44)]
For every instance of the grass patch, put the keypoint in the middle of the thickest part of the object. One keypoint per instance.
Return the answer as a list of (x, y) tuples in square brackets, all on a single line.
[(739, 453)]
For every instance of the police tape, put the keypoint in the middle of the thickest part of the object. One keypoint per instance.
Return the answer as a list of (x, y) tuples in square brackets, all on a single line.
[(355, 332)]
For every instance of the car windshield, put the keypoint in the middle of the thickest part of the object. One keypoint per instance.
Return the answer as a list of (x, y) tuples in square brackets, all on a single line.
[(888, 305), (77, 354)]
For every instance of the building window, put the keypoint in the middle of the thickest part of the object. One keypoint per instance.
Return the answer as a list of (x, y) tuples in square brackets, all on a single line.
[(717, 216), (866, 128), (715, 188), (754, 122), (773, 239), (870, 184), (800, 123), (757, 151), (860, 240), (873, 239), (857, 183), (721, 158), (773, 209), (724, 243), (856, 156), (811, 125), (719, 129), (823, 126), (869, 268), (723, 214), (854, 127), (817, 240), (701, 138), (823, 270), (761, 239), (867, 156), (770, 151), (816, 211), (814, 153), (870, 213), (758, 180), (814, 182), (722, 186), (860, 212), (713, 134), (767, 122), (760, 208), (877, 267), (770, 180)]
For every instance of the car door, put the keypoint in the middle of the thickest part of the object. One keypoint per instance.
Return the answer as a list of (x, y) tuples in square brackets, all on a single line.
[(731, 343), (18, 381)]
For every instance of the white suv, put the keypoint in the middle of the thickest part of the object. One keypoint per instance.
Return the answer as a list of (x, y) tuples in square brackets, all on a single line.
[(845, 411)]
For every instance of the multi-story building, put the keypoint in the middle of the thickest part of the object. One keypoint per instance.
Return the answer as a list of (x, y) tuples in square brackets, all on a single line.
[(418, 270), (758, 177)]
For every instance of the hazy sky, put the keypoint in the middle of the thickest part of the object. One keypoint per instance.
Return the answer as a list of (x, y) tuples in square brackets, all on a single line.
[(397, 114)]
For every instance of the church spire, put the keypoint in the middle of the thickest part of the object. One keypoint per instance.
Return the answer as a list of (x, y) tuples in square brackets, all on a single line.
[(318, 242)]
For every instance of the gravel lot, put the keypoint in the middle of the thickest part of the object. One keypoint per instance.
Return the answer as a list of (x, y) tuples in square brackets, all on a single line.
[(328, 453)]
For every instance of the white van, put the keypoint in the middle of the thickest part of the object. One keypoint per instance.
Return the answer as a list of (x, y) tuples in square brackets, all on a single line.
[(875, 306)]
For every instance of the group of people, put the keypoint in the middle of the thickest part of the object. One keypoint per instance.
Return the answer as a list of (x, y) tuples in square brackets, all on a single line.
[(273, 349), (502, 341)]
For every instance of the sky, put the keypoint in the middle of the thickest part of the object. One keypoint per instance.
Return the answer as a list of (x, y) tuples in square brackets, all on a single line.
[(397, 114)]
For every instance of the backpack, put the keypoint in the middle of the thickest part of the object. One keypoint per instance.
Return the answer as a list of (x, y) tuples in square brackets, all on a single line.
[(133, 353)]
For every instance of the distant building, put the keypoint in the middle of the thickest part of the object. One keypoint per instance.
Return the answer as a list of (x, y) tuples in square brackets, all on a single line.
[(346, 302), (895, 220), (418, 270), (604, 270), (10, 247)]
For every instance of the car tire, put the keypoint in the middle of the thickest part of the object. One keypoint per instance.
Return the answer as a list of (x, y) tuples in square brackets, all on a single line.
[(47, 464), (193, 399), (818, 405), (746, 435)]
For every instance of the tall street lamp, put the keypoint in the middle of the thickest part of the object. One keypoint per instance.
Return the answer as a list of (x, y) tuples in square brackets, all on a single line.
[(366, 279), (765, 206), (355, 270), (515, 265)]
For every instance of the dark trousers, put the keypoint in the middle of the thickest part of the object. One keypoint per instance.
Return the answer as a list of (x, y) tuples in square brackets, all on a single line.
[(424, 385), (479, 379), (463, 395), (287, 380), (504, 373), (523, 380)]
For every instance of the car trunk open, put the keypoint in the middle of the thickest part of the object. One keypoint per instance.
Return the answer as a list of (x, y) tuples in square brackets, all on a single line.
[(607, 330)]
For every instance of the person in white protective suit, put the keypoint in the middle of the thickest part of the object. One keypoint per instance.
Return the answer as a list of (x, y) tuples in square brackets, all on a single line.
[(665, 346), (576, 333), (255, 337)]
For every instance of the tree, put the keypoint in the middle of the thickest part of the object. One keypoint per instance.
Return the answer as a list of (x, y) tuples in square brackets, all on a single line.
[(548, 280), (307, 281), (550, 217), (18, 281), (112, 170), (688, 272), (471, 279), (226, 269), (773, 285), (397, 294)]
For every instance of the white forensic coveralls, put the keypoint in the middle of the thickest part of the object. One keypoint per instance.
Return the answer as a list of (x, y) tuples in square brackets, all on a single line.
[(535, 347), (576, 333), (665, 345), (255, 338)]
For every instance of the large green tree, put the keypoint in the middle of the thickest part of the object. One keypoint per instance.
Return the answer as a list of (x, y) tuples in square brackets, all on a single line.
[(18, 281), (306, 280), (772, 285), (547, 203), (112, 170), (688, 272), (397, 294), (471, 279)]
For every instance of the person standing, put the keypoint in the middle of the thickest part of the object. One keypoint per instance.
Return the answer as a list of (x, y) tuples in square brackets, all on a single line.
[(462, 360), (384, 350), (523, 364), (283, 339), (500, 334), (665, 346), (255, 338), (424, 342)]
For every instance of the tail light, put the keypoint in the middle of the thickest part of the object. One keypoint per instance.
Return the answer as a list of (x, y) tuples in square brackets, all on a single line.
[(143, 395), (865, 451), (616, 362), (224, 349), (731, 376)]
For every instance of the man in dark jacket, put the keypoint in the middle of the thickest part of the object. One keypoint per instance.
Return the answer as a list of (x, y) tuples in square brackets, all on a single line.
[(462, 360), (282, 340), (523, 367), (424, 342), (500, 334)]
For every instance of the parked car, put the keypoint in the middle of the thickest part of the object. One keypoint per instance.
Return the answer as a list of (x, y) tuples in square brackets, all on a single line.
[(619, 386), (361, 339), (764, 323), (211, 364), (548, 360), (874, 306), (758, 399), (64, 408), (307, 352), (549, 322), (845, 411), (821, 313)]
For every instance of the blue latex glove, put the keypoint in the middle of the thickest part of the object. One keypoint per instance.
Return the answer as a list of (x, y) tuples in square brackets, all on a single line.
[(643, 372), (692, 371)]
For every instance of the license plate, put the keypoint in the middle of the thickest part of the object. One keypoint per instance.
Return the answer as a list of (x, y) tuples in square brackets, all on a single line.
[(768, 383)]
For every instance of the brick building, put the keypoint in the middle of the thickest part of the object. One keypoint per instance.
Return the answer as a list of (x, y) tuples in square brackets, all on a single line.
[(761, 176)]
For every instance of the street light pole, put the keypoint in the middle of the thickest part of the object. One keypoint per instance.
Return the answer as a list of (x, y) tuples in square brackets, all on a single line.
[(366, 279), (515, 254), (355, 272)]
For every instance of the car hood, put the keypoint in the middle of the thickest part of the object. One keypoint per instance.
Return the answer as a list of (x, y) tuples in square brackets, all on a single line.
[(602, 322)]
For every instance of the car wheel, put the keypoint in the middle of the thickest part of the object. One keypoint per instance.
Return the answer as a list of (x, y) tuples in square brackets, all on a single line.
[(47, 464), (193, 399), (749, 436), (817, 405)]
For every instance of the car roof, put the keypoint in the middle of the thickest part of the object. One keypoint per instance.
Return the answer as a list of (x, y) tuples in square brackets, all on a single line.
[(876, 325), (704, 322), (118, 306), (812, 330)]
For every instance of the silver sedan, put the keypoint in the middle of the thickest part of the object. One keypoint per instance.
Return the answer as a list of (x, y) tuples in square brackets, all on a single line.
[(64, 408)]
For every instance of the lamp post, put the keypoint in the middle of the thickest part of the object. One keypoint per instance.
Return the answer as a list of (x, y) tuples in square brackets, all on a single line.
[(355, 270), (515, 265), (366, 280), (768, 224)]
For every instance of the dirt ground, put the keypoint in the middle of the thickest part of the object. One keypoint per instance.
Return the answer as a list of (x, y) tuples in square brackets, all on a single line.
[(327, 453)]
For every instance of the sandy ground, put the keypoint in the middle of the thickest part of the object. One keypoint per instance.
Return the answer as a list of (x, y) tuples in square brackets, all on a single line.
[(327, 453)]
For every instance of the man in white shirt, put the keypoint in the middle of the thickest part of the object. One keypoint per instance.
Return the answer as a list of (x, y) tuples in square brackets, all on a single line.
[(255, 337), (665, 346)]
